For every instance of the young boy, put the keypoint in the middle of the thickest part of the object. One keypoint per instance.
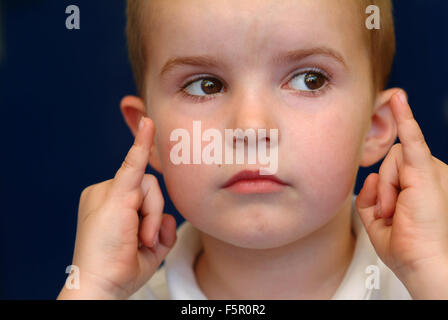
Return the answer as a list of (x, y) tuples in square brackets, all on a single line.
[(312, 70)]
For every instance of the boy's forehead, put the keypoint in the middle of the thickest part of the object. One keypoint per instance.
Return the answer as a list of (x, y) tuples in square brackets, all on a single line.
[(255, 27)]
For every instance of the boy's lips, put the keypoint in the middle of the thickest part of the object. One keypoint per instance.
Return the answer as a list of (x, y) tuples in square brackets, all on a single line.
[(248, 181)]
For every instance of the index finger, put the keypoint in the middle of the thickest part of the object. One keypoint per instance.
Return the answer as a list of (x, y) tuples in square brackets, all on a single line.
[(129, 176), (416, 152)]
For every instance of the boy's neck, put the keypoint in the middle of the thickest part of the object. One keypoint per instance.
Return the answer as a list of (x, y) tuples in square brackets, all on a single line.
[(310, 268)]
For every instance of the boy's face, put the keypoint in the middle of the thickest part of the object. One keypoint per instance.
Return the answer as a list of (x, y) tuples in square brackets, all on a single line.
[(321, 132)]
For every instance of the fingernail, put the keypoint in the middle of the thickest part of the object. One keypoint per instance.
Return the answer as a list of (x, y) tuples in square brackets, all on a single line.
[(402, 97), (141, 123), (156, 240), (377, 211)]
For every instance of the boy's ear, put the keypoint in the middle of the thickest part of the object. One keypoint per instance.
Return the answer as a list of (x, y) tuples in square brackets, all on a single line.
[(383, 130), (133, 109)]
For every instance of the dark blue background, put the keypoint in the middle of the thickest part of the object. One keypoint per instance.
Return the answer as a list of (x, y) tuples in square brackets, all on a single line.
[(62, 129)]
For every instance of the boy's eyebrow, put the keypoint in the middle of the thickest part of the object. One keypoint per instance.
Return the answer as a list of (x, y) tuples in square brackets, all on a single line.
[(296, 55), (211, 61), (205, 60)]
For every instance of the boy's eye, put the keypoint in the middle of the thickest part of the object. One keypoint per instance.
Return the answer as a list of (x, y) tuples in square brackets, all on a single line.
[(200, 88), (309, 81), (206, 85)]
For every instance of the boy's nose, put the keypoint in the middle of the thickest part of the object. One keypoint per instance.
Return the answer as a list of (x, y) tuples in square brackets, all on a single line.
[(252, 111)]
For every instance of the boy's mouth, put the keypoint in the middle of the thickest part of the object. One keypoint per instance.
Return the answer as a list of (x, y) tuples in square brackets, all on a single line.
[(249, 181)]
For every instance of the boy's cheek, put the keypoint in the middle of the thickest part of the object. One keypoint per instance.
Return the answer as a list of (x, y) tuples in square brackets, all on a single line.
[(189, 187), (326, 162), (331, 178)]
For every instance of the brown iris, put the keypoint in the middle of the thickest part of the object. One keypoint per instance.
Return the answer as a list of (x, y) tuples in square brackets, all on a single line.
[(314, 80), (211, 86)]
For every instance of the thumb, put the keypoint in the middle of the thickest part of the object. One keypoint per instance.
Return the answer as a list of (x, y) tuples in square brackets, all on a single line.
[(367, 199), (378, 230), (151, 258), (167, 236)]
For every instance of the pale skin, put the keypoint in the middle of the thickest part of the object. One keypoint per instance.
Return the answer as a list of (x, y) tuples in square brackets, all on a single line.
[(252, 251), (109, 229), (404, 209)]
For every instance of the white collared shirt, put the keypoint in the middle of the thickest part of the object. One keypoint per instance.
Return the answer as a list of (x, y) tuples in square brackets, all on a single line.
[(367, 277)]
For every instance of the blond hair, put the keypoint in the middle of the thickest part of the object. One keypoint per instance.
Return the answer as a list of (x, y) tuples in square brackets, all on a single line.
[(381, 42)]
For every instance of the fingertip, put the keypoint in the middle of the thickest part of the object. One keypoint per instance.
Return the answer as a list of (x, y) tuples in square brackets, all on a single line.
[(146, 131), (368, 194), (141, 124), (144, 123), (415, 149), (148, 122), (402, 96), (400, 106), (371, 182), (371, 178)]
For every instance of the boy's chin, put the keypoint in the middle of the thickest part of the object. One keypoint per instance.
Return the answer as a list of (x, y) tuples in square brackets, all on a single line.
[(262, 233), (259, 242)]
